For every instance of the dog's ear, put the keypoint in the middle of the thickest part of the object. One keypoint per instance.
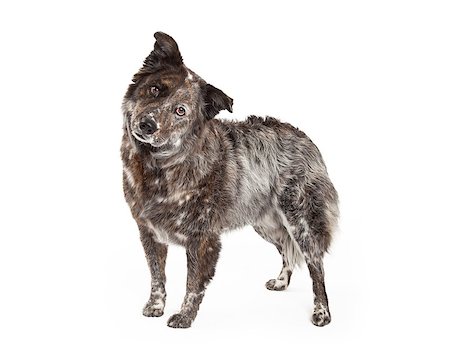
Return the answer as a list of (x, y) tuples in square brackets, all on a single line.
[(215, 100), (165, 52)]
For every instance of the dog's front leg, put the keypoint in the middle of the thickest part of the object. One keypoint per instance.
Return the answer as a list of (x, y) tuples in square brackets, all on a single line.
[(156, 254), (202, 255)]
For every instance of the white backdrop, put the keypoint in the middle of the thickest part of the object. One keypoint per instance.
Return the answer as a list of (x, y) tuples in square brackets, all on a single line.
[(368, 81)]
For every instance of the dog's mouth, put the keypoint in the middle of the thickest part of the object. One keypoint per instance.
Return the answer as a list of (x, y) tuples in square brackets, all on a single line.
[(149, 139)]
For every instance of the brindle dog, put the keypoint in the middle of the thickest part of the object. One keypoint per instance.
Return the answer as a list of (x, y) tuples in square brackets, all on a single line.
[(188, 177)]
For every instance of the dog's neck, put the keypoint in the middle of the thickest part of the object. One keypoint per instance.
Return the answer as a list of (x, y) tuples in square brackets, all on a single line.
[(199, 149)]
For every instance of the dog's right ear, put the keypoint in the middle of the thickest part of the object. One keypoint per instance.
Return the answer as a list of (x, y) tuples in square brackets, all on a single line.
[(215, 100), (165, 53)]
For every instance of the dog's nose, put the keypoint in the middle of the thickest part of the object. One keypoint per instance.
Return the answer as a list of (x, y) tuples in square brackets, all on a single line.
[(147, 127)]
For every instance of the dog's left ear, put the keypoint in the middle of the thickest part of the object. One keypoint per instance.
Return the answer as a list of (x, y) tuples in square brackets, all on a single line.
[(215, 100), (165, 52)]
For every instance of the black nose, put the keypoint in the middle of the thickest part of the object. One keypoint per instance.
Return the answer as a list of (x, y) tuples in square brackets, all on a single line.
[(147, 127)]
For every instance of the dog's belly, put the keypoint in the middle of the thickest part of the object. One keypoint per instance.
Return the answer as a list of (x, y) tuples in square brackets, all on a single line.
[(247, 212)]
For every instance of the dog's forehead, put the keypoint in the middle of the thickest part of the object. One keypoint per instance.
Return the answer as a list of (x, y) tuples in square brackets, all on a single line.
[(187, 89), (168, 79), (191, 82), (181, 78)]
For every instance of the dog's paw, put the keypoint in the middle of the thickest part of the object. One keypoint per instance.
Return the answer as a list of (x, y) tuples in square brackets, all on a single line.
[(153, 310), (179, 321), (321, 315), (277, 285)]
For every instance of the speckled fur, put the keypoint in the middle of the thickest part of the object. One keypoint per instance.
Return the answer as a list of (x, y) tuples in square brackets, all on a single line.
[(196, 177)]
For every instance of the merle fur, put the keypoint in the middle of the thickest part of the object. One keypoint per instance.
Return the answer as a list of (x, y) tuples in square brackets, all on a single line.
[(198, 176)]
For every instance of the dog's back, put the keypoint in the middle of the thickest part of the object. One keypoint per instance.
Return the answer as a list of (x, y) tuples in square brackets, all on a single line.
[(266, 160)]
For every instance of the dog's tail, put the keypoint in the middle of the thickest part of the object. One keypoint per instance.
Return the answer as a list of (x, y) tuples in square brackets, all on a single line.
[(292, 253)]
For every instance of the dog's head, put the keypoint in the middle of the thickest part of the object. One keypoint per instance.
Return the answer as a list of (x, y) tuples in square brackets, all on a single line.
[(166, 101)]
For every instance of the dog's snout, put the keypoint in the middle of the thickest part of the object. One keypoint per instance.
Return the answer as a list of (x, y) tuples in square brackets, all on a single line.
[(147, 127)]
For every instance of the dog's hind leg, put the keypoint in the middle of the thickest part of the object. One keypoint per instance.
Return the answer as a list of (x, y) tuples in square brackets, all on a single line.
[(202, 255), (311, 213), (271, 229), (156, 254)]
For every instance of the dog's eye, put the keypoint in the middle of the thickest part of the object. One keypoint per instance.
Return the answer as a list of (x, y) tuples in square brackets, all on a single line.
[(154, 90), (180, 111)]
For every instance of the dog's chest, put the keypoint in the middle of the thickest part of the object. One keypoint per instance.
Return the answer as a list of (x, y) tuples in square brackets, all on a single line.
[(166, 202)]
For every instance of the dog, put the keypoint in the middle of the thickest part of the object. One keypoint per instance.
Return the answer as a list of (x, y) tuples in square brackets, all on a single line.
[(188, 177)]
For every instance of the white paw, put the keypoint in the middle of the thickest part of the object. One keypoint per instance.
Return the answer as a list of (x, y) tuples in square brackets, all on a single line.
[(321, 315), (277, 285)]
